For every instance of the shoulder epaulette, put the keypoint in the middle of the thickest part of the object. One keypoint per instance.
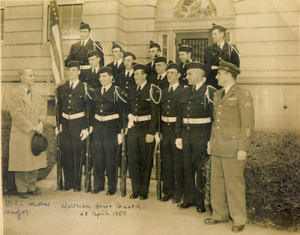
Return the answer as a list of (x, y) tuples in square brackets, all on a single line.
[(119, 94), (210, 90), (233, 47), (86, 91), (98, 45)]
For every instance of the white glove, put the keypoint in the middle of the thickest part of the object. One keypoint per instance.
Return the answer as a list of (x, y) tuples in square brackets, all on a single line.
[(130, 121), (149, 138), (56, 131), (91, 129), (119, 139), (39, 128), (178, 143), (208, 148), (241, 155), (157, 139), (84, 133)]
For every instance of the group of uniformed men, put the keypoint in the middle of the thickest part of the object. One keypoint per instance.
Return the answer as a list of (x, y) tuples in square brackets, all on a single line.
[(195, 119)]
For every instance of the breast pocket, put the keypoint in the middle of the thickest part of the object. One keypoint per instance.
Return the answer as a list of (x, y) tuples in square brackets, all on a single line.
[(230, 103)]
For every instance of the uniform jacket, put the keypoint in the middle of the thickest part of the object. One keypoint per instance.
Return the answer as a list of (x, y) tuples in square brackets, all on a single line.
[(233, 124), (126, 82), (80, 54), (151, 72), (182, 78), (25, 114), (197, 104), (140, 103), (92, 79), (162, 83), (118, 73), (213, 55)]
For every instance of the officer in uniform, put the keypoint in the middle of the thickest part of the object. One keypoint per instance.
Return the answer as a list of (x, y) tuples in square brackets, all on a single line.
[(143, 100), (219, 50), (117, 65), (72, 101), (107, 111), (192, 131), (185, 56), (161, 69), (92, 76), (154, 51), (79, 50), (172, 162), (128, 79), (231, 143)]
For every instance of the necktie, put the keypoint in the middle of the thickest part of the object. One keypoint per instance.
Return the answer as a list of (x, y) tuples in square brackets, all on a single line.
[(220, 46), (128, 75), (171, 89), (82, 44), (116, 66), (104, 90), (139, 88), (223, 93), (194, 88), (94, 71), (159, 78), (28, 92), (72, 86)]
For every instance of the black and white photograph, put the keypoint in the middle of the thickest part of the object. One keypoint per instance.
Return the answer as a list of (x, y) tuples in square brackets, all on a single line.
[(150, 117)]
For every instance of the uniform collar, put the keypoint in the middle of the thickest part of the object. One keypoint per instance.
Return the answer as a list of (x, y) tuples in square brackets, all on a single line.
[(174, 86), (85, 42), (97, 69), (228, 87), (75, 83), (198, 86), (162, 75), (25, 88), (130, 72), (221, 45), (119, 62), (142, 86), (106, 88)]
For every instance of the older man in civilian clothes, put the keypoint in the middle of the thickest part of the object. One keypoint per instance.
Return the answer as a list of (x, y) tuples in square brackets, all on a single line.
[(27, 110)]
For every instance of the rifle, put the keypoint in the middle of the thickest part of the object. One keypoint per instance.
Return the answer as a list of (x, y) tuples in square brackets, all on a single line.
[(158, 160), (58, 153), (88, 158), (124, 158)]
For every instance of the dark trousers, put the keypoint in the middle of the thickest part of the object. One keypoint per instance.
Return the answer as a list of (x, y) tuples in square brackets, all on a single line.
[(72, 152), (172, 162), (105, 147), (140, 157), (194, 146)]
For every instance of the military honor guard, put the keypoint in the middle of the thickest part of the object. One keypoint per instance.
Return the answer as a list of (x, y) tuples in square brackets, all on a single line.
[(172, 162), (160, 79), (192, 131), (92, 76), (154, 51), (72, 102), (117, 65), (143, 100), (230, 144), (106, 126), (185, 56), (219, 50), (128, 79), (27, 110), (79, 50)]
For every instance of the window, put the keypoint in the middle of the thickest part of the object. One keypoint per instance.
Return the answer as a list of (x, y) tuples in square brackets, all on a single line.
[(2, 24), (70, 17), (198, 45)]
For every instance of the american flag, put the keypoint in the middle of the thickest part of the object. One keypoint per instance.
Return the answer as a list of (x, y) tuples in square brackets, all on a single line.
[(56, 46)]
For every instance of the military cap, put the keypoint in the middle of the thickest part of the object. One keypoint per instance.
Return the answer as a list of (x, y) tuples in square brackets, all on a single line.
[(92, 53), (106, 69), (219, 27), (185, 48), (73, 64), (172, 65), (160, 59), (115, 45), (195, 65), (154, 44), (127, 53), (84, 26), (140, 66), (229, 67)]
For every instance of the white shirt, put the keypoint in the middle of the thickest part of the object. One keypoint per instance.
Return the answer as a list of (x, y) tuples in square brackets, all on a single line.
[(130, 72), (228, 87), (119, 62), (74, 83), (25, 89), (142, 86), (95, 69), (221, 44), (106, 89), (198, 86), (174, 86), (84, 42), (162, 75)]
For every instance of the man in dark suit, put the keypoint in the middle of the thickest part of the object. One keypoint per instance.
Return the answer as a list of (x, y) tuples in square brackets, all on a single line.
[(219, 50), (142, 125), (92, 76), (231, 143), (117, 65), (72, 101), (128, 79), (172, 162), (185, 56), (79, 50), (161, 78), (154, 51), (192, 131)]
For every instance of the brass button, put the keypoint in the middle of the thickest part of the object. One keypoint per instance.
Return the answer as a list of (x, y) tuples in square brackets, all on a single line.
[(167, 112), (188, 115), (218, 127), (68, 107), (220, 106), (101, 111), (188, 108), (188, 128), (136, 99), (169, 101), (135, 110), (168, 106), (136, 104), (70, 95), (69, 101), (219, 112)]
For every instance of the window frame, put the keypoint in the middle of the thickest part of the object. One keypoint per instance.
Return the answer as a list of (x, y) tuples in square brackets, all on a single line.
[(2, 40)]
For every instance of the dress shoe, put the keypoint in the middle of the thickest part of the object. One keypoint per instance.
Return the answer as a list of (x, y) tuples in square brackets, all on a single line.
[(67, 188), (23, 195), (144, 197), (185, 205), (34, 192), (237, 228), (135, 195), (77, 189), (111, 192), (200, 208), (211, 221), (176, 200), (97, 190), (167, 197)]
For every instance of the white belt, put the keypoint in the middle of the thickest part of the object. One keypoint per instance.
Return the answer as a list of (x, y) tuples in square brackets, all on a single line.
[(141, 118), (73, 116), (214, 67), (196, 120), (106, 118), (83, 67), (168, 119)]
